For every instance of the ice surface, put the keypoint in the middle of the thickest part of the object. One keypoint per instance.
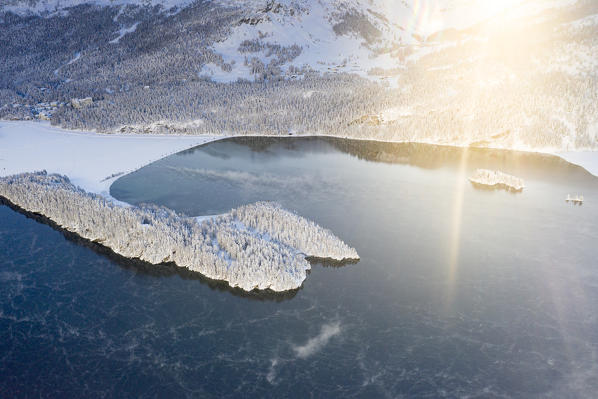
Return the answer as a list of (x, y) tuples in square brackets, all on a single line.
[(88, 159)]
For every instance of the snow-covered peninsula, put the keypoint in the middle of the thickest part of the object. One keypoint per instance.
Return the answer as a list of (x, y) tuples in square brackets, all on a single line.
[(496, 179), (255, 246)]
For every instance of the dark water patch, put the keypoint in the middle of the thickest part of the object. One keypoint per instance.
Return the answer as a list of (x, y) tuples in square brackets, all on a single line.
[(166, 269), (459, 292)]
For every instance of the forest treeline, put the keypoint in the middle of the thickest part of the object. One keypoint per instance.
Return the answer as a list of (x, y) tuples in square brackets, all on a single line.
[(527, 86)]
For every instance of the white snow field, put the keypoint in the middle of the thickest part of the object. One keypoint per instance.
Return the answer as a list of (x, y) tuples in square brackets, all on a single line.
[(92, 161), (311, 26), (586, 159)]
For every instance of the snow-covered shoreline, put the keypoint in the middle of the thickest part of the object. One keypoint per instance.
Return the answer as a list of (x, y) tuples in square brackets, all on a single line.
[(92, 161)]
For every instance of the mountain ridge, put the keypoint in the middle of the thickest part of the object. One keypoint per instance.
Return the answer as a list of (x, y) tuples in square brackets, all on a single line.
[(524, 78)]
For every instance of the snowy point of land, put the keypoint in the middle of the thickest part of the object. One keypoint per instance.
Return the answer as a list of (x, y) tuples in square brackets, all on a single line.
[(257, 246), (496, 179), (586, 159)]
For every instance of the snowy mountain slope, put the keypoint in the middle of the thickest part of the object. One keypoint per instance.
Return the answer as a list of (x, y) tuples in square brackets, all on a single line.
[(329, 36), (343, 36), (366, 37), (515, 74)]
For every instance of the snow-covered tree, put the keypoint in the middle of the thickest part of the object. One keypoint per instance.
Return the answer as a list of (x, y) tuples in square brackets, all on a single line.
[(255, 246)]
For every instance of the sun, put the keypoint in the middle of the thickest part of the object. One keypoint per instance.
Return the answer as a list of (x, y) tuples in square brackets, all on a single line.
[(431, 16), (481, 10)]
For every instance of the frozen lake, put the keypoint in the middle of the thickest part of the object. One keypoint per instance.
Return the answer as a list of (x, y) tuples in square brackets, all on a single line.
[(459, 291)]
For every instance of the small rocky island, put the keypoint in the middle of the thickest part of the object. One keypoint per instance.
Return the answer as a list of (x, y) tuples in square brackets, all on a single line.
[(495, 179), (257, 246)]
